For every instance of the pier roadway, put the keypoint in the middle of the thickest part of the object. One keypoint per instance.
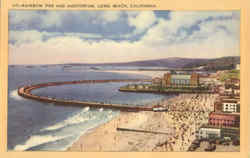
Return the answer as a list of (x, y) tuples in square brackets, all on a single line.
[(25, 92)]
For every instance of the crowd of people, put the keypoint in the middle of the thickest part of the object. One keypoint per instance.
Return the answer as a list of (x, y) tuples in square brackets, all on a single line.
[(187, 112)]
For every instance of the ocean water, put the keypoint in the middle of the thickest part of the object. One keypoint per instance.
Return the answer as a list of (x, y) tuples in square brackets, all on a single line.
[(37, 126)]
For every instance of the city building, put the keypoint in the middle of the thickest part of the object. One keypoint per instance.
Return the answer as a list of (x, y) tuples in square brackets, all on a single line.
[(131, 86), (231, 105), (227, 104), (232, 83), (139, 87), (236, 91), (208, 132), (224, 119), (228, 91), (180, 80), (157, 81), (237, 67), (217, 106), (230, 132)]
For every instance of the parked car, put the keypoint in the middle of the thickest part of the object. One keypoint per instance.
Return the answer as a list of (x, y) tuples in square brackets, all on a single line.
[(212, 141), (236, 142), (222, 141), (195, 144), (226, 143), (193, 147), (210, 147), (196, 141), (227, 138)]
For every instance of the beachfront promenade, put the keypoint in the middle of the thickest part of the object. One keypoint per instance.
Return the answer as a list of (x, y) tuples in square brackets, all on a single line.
[(25, 92)]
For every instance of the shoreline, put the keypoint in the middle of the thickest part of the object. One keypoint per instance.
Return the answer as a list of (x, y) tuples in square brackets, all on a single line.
[(181, 127), (134, 72), (78, 145)]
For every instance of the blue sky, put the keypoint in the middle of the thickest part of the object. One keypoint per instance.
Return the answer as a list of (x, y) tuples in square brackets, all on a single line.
[(120, 36)]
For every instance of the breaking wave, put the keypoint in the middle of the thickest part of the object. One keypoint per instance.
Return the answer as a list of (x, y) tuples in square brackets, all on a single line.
[(15, 95), (75, 119), (37, 140)]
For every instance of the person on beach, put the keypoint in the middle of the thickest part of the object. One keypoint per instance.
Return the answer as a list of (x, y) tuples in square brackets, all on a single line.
[(189, 112)]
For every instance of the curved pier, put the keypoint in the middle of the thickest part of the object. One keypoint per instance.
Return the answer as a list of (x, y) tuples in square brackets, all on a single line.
[(25, 92)]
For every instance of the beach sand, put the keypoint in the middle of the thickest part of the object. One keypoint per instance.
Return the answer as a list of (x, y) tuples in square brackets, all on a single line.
[(187, 112), (179, 125), (107, 138)]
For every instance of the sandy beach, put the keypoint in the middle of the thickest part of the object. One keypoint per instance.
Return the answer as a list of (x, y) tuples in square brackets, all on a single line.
[(187, 113)]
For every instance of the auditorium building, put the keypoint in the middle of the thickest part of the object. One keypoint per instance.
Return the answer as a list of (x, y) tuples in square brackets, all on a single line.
[(180, 80)]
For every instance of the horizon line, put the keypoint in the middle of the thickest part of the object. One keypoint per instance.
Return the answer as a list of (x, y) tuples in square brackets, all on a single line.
[(123, 62)]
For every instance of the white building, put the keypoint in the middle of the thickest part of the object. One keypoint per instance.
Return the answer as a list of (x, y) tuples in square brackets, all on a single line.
[(230, 106), (208, 132), (157, 81), (140, 87), (237, 67), (131, 86), (237, 92), (228, 91), (146, 86)]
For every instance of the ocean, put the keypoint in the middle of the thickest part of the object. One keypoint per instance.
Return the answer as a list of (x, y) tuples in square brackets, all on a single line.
[(36, 126)]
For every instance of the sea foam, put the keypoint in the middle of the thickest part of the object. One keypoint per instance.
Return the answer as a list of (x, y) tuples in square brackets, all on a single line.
[(15, 95), (80, 117), (37, 140)]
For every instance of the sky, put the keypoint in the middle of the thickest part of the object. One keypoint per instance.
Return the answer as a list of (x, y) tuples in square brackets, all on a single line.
[(56, 37)]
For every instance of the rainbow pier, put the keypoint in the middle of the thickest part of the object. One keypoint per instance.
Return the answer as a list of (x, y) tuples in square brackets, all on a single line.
[(25, 92)]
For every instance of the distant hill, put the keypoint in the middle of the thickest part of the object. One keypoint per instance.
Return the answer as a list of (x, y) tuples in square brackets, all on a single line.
[(175, 62), (223, 63)]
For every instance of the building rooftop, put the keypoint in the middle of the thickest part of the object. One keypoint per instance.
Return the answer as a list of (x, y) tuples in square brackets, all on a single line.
[(217, 127), (181, 77), (209, 126), (223, 114)]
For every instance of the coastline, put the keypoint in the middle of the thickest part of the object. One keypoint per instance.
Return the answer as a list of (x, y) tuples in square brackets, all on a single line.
[(123, 117), (144, 73), (181, 127)]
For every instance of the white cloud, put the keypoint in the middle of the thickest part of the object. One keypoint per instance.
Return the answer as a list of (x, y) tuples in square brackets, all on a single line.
[(188, 18), (66, 49), (57, 19), (110, 16), (141, 20), (52, 18), (228, 29), (171, 31), (84, 35), (17, 17), (157, 34), (46, 19), (72, 49), (214, 38), (25, 36), (20, 37)]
